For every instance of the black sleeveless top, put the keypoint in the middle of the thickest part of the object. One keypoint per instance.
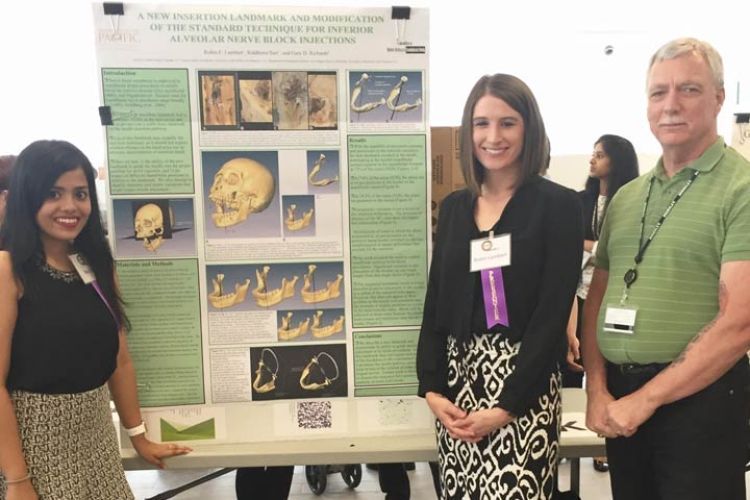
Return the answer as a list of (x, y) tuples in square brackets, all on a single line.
[(65, 339)]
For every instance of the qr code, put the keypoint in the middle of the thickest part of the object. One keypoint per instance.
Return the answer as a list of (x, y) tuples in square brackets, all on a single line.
[(314, 415)]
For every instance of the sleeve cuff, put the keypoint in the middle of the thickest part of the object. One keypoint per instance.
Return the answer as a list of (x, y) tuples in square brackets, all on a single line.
[(430, 384), (511, 404)]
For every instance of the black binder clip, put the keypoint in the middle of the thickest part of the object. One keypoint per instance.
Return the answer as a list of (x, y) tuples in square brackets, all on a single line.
[(400, 12), (105, 115), (113, 8), (400, 15)]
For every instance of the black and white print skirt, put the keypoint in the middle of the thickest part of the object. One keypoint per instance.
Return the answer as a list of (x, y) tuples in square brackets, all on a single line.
[(70, 446), (517, 462)]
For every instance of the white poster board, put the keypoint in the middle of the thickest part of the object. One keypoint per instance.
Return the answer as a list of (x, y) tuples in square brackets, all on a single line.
[(269, 199), (741, 134)]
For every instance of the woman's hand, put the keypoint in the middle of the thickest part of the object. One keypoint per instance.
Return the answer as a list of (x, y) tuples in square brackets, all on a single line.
[(574, 354), (153, 453), (448, 414), (21, 491), (482, 422)]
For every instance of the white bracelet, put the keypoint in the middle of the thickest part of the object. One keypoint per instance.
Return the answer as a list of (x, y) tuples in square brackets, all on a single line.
[(137, 430), (19, 480)]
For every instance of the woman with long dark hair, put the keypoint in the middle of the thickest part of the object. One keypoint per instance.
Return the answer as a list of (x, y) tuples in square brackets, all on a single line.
[(63, 347), (613, 164), (6, 165)]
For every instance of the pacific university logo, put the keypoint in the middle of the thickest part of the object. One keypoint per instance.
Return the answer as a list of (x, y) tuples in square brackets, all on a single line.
[(117, 37)]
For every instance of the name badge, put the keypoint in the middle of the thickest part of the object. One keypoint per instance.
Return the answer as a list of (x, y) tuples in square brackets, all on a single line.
[(490, 253), (82, 268), (620, 319)]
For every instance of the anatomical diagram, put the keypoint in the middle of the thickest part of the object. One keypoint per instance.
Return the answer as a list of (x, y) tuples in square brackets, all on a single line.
[(295, 223), (220, 299), (313, 178), (321, 331), (394, 99), (256, 101), (290, 330), (356, 103), (311, 293), (290, 100), (219, 100), (316, 376), (240, 188), (150, 226), (266, 297), (266, 373), (322, 101)]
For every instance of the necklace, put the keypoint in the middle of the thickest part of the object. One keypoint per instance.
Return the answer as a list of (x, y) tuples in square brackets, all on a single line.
[(65, 276)]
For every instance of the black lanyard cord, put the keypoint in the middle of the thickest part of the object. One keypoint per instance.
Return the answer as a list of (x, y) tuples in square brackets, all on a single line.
[(632, 274)]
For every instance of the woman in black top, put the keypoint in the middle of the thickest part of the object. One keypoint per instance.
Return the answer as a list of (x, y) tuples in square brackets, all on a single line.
[(6, 164), (492, 341), (62, 338), (613, 164)]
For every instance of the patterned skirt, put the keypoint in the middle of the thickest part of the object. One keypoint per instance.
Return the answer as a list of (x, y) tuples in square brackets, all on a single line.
[(517, 462), (70, 446)]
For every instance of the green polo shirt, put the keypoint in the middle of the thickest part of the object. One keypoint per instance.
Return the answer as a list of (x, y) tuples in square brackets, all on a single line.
[(676, 292)]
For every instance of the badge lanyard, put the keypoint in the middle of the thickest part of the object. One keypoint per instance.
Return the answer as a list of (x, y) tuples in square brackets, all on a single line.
[(488, 256), (632, 274), (596, 224), (89, 278)]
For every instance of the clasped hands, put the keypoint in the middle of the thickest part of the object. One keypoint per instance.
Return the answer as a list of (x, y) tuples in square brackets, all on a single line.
[(612, 418), (471, 426)]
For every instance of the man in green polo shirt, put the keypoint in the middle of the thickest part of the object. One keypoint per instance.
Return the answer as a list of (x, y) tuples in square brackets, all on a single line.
[(666, 323)]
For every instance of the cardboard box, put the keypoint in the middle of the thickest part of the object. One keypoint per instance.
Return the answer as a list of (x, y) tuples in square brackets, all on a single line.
[(446, 166)]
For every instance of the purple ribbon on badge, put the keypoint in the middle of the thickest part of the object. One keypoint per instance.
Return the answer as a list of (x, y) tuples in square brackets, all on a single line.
[(495, 308)]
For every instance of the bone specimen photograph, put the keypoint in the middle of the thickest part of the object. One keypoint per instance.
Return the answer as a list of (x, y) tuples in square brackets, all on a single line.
[(290, 100), (218, 100)]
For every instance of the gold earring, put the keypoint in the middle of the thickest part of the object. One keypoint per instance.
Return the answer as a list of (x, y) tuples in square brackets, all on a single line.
[(315, 386), (271, 383)]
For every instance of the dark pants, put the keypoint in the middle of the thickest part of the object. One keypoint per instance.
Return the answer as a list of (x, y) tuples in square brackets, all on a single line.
[(394, 482), (692, 449), (435, 473), (569, 377), (263, 483)]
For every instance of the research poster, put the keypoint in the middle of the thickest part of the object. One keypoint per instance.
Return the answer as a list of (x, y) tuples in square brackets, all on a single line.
[(741, 133), (268, 211)]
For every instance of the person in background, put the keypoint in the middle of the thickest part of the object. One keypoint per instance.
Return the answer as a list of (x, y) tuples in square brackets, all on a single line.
[(6, 164), (613, 164), (264, 483), (63, 346), (492, 340), (666, 325)]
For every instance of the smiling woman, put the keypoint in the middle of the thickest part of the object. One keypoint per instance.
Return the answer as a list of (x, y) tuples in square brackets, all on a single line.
[(493, 332), (65, 211), (62, 338)]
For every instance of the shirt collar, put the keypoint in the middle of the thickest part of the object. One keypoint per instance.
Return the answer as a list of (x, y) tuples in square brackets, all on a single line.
[(705, 163)]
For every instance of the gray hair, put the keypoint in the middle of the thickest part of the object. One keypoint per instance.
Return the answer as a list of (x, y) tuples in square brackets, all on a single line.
[(681, 46)]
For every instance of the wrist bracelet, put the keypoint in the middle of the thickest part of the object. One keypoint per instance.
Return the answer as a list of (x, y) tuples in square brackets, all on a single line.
[(19, 480), (137, 430)]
